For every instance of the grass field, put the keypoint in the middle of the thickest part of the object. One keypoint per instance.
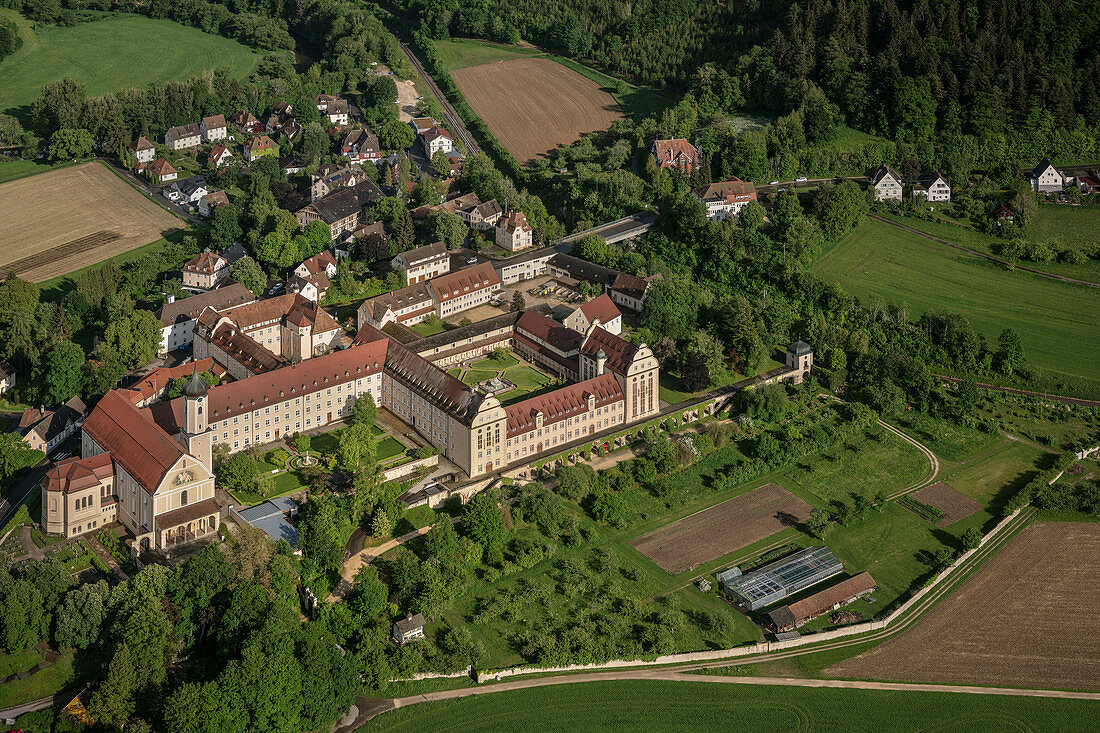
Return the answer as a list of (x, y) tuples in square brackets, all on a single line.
[(81, 215), (646, 705), (48, 681), (899, 267), (1025, 619), (460, 53), (533, 105), (12, 169), (1063, 226), (114, 53)]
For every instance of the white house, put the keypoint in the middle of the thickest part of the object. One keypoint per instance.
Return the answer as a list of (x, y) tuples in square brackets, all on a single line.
[(435, 140), (183, 136), (214, 128), (337, 113), (725, 199), (1045, 178), (423, 263), (408, 629), (219, 155), (887, 184), (177, 317), (513, 232), (323, 262), (599, 311), (933, 188), (143, 150)]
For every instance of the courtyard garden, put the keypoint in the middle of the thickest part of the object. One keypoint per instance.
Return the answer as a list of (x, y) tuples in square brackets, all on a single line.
[(524, 380)]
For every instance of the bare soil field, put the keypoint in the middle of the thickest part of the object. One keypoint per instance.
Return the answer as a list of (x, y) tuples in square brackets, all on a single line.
[(534, 105), (955, 506), (1027, 618), (63, 220), (723, 528)]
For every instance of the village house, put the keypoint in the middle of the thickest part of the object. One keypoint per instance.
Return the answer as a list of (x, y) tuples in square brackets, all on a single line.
[(1045, 178), (337, 113), (483, 216), (423, 263), (143, 150), (205, 271), (291, 131), (259, 337), (435, 140), (187, 192), (408, 629), (600, 311), (887, 184), (177, 317), (159, 486), (161, 171), (260, 146), (725, 199), (211, 201), (183, 136), (44, 429), (218, 156), (933, 188), (513, 233), (330, 177), (343, 210), (422, 124), (214, 128), (311, 287), (629, 291), (7, 377), (360, 145), (1003, 215), (291, 165), (677, 153), (246, 122)]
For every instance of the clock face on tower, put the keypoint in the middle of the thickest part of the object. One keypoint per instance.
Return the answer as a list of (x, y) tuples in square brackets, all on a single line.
[(184, 477)]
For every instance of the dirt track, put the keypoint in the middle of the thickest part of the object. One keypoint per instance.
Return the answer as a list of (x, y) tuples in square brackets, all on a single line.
[(722, 529), (66, 219), (1026, 619), (534, 105)]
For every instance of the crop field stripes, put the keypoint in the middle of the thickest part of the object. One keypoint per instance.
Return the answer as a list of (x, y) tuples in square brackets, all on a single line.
[(76, 246)]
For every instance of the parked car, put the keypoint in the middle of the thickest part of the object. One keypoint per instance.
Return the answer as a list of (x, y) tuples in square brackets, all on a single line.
[(774, 183), (782, 190), (275, 288), (471, 260), (801, 179)]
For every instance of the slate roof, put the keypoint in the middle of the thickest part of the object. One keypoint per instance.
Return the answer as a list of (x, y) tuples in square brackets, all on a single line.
[(583, 269), (881, 173), (345, 202), (191, 129), (420, 255)]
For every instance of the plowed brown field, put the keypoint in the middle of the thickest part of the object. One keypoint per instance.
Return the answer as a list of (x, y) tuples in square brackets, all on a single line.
[(955, 506), (723, 528), (534, 105), (1026, 619), (63, 220)]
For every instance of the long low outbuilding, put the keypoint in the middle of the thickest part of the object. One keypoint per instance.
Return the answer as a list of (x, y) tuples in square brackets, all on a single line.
[(784, 578), (793, 615)]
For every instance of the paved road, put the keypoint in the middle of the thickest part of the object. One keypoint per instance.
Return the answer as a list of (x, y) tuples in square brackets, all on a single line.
[(982, 255), (809, 183), (449, 113)]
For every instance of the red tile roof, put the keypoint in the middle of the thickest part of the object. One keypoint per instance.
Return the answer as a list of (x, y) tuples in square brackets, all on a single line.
[(620, 352), (602, 308), (158, 380), (669, 152), (291, 306), (135, 442), (141, 144), (455, 284), (550, 331), (728, 192), (515, 221), (161, 167), (562, 403), (75, 474), (206, 263), (263, 142), (319, 262), (213, 122)]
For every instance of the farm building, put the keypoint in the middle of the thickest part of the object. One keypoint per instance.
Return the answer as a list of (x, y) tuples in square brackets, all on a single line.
[(784, 577), (791, 616)]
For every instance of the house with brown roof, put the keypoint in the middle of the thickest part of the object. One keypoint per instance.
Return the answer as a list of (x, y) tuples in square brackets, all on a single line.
[(158, 485), (153, 385), (725, 199), (793, 615), (337, 112), (343, 210), (246, 122), (408, 306), (330, 177), (211, 201), (182, 137), (161, 171), (323, 262), (436, 139), (886, 184), (214, 128), (1003, 215), (205, 271), (359, 146), (630, 291), (676, 153), (218, 156), (599, 311), (177, 317), (44, 429), (423, 263), (260, 146), (513, 233), (464, 289), (7, 377), (264, 335), (143, 150), (483, 216), (422, 124)]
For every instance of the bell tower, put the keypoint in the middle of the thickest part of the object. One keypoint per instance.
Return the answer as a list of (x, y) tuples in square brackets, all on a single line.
[(196, 414)]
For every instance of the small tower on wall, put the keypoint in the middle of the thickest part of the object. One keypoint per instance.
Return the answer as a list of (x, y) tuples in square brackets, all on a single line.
[(800, 356), (196, 419)]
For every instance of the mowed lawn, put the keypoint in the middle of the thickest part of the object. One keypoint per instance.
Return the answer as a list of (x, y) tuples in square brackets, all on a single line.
[(114, 53), (1052, 318), (459, 53), (649, 705)]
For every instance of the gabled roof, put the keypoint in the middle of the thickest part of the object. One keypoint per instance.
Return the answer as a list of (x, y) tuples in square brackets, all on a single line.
[(620, 352), (489, 209), (77, 474), (245, 350), (337, 107), (420, 255), (728, 192), (263, 142), (219, 151), (206, 263), (135, 442), (583, 269), (930, 180), (562, 403), (213, 122), (602, 308), (635, 287), (191, 129), (141, 144), (158, 380), (410, 623), (345, 202), (434, 133), (538, 325), (455, 284), (411, 295), (48, 424), (668, 152), (188, 309), (162, 167), (882, 172), (1041, 168), (319, 262), (515, 221), (361, 140), (289, 306), (1003, 212)]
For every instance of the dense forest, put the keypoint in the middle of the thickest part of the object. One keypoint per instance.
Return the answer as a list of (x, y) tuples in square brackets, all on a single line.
[(892, 67)]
